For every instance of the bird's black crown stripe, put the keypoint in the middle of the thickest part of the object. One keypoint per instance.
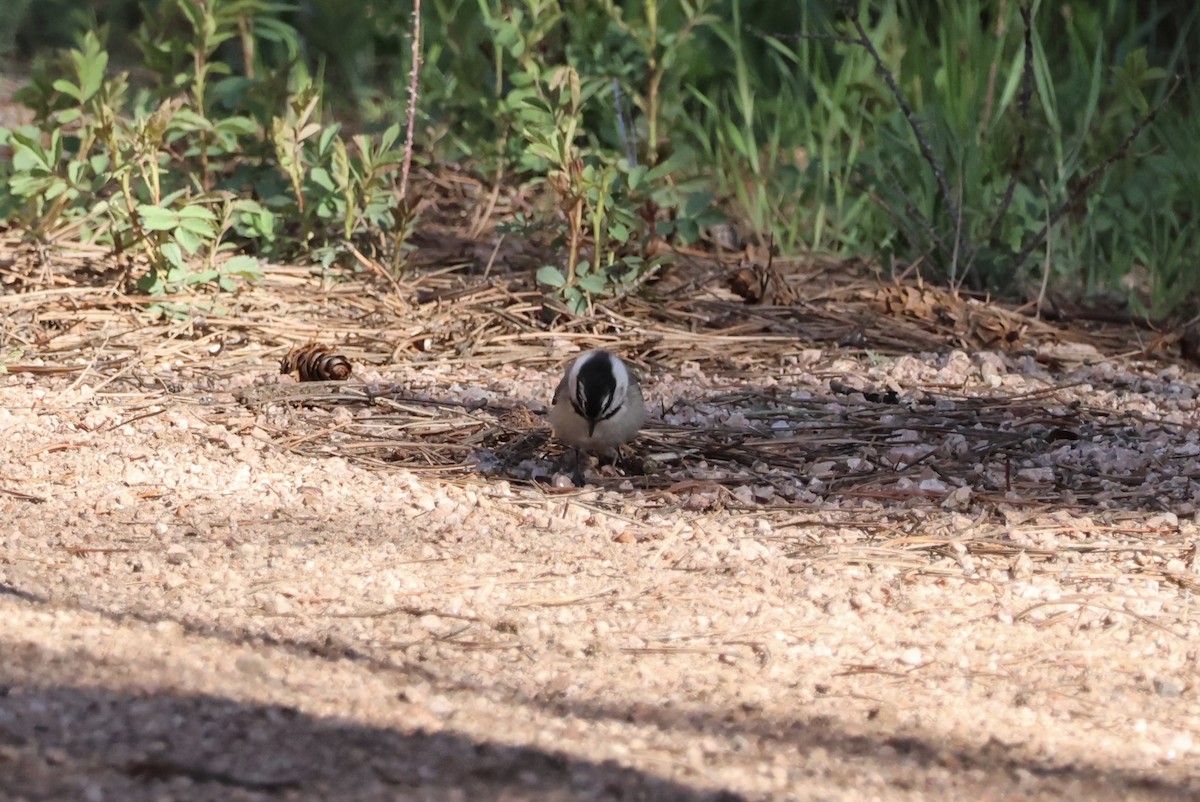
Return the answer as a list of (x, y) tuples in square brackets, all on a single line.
[(596, 386)]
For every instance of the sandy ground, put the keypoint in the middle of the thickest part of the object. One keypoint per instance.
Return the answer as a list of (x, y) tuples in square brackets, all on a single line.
[(190, 610)]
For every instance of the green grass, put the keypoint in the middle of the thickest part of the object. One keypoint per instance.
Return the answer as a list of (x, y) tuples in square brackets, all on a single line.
[(644, 120)]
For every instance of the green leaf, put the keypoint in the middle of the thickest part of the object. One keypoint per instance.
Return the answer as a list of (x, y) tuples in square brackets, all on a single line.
[(243, 266), (389, 137), (523, 96), (28, 153), (93, 72), (238, 126), (543, 152), (190, 120), (152, 283), (697, 203), (326, 138), (56, 188), (637, 175), (194, 13), (577, 302), (156, 218), (678, 161), (1154, 74), (188, 240), (197, 225), (595, 283), (551, 276), (68, 88), (320, 177), (200, 277), (248, 206), (688, 230), (174, 256), (197, 212)]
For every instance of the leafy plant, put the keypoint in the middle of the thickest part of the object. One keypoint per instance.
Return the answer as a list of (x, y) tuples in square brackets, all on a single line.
[(981, 141), (182, 235), (662, 44), (607, 203), (177, 177), (1014, 153)]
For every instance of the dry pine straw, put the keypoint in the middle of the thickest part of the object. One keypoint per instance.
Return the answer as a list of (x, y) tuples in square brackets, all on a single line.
[(852, 428), (780, 426)]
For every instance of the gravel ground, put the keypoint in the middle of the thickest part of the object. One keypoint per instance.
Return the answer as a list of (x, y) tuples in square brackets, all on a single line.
[(189, 610)]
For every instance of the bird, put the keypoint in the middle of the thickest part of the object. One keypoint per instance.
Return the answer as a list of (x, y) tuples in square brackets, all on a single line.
[(597, 405)]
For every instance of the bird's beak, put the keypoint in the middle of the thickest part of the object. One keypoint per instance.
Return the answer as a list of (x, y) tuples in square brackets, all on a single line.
[(591, 427)]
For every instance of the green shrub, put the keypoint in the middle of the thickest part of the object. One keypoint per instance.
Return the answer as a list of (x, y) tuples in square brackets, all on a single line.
[(1054, 141), (198, 162)]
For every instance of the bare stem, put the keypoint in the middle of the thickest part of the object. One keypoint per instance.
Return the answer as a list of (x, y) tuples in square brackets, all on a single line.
[(1023, 107), (926, 149), (413, 75), (576, 224), (1076, 195)]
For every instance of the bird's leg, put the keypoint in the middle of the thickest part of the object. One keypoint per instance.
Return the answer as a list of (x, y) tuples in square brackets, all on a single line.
[(577, 474), (574, 458), (627, 460)]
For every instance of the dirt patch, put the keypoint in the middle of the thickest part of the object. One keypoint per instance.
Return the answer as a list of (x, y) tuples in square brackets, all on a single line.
[(834, 573)]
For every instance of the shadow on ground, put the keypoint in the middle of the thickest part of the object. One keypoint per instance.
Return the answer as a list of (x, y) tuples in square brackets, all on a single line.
[(74, 743), (58, 741)]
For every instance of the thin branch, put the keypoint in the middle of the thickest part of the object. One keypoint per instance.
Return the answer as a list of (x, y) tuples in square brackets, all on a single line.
[(1041, 299), (413, 75), (926, 149), (960, 247), (989, 97), (627, 132), (1121, 153), (800, 37), (1018, 161), (955, 281), (906, 221), (1023, 105)]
